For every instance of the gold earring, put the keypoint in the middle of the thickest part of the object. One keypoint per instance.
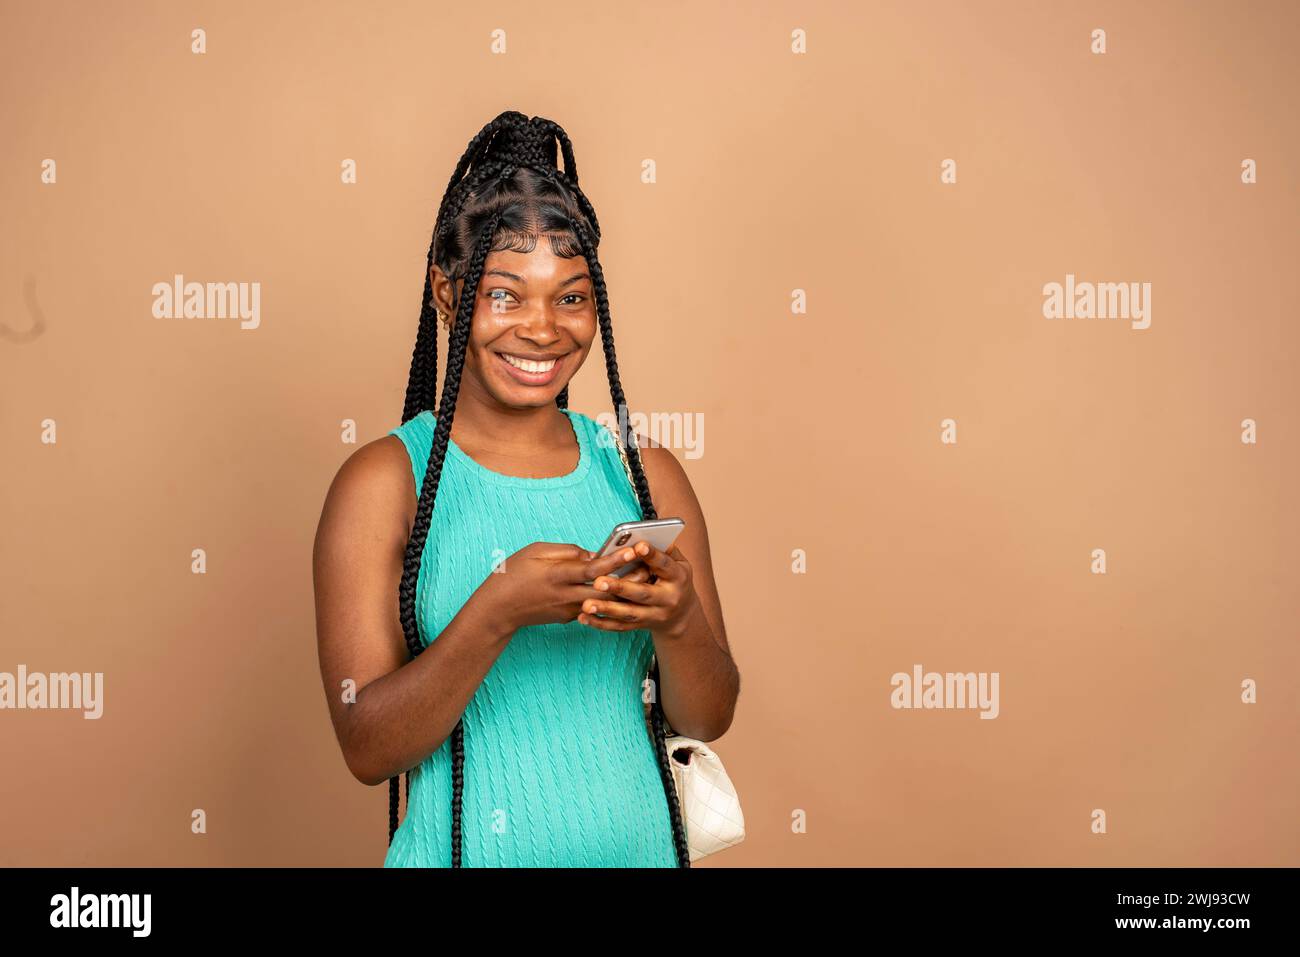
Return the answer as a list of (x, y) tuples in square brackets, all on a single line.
[(442, 318)]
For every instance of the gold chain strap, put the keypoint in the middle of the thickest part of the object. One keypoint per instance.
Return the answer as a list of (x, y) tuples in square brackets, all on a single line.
[(622, 454)]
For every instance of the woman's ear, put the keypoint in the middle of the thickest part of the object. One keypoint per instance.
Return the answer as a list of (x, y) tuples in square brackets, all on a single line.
[(444, 293)]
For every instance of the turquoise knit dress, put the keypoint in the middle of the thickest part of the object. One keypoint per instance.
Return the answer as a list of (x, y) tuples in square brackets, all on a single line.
[(559, 768)]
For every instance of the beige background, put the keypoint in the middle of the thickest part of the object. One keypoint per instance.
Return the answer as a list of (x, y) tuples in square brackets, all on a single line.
[(775, 172)]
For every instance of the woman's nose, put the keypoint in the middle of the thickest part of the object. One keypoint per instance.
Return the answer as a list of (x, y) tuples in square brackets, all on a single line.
[(540, 325)]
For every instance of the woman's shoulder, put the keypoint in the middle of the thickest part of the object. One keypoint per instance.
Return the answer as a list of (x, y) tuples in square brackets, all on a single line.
[(416, 435), (585, 422), (373, 488), (604, 427), (418, 428)]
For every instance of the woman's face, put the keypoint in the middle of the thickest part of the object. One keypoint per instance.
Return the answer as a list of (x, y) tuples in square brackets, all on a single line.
[(534, 322)]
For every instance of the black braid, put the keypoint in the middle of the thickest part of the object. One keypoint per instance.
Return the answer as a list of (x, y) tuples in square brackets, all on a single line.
[(458, 342), (509, 143), (424, 360), (648, 513)]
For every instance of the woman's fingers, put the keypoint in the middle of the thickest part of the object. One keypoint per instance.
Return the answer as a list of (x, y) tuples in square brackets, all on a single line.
[(643, 601), (593, 568), (661, 564), (617, 615), (638, 574), (621, 588), (608, 624)]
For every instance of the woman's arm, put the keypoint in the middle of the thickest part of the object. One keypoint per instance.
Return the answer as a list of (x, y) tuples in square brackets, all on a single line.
[(403, 710), (699, 681)]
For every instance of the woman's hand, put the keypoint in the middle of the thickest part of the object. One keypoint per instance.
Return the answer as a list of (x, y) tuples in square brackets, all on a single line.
[(661, 600), (546, 582)]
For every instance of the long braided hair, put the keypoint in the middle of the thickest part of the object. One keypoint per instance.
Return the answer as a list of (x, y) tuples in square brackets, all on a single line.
[(506, 192)]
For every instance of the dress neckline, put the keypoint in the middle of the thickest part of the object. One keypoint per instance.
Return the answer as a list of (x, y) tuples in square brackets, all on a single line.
[(578, 473)]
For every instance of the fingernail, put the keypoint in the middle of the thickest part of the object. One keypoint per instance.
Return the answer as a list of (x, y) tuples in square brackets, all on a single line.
[(643, 548), (602, 585), (629, 554)]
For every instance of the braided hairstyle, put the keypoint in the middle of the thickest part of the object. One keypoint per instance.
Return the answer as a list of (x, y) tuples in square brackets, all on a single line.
[(506, 191)]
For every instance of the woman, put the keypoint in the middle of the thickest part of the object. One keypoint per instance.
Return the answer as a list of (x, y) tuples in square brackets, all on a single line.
[(508, 688)]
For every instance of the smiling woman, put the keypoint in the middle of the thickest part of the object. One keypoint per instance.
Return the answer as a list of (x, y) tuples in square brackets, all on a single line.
[(532, 370), (507, 678)]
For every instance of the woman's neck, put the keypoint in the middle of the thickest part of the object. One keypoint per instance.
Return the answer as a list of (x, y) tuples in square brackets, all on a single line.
[(485, 424)]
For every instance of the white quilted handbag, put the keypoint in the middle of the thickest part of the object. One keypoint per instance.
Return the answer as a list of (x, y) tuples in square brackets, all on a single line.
[(710, 807)]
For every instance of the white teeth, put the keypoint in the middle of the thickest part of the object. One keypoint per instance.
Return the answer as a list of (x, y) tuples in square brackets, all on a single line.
[(529, 365)]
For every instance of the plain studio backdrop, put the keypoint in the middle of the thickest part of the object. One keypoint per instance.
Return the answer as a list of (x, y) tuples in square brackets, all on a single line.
[(779, 176)]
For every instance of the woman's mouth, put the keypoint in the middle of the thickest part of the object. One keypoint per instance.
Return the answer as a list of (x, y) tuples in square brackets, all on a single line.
[(531, 370)]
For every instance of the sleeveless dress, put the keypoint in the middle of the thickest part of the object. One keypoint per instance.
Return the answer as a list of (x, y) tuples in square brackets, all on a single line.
[(559, 768)]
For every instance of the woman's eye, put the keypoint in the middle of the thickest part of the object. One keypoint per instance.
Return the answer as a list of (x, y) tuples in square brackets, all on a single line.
[(505, 295)]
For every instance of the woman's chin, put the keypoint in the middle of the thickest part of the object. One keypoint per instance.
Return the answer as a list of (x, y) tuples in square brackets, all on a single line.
[(527, 397)]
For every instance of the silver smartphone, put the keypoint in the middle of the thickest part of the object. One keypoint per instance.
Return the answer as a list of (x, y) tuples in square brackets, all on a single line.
[(659, 532)]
